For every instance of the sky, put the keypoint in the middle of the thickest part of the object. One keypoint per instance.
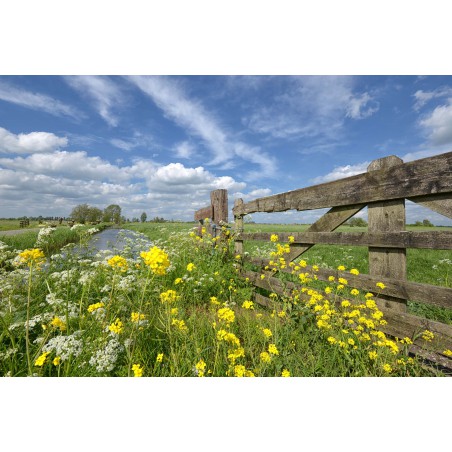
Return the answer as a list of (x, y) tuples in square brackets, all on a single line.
[(160, 144)]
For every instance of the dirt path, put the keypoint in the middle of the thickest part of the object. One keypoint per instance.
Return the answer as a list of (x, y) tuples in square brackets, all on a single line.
[(18, 231)]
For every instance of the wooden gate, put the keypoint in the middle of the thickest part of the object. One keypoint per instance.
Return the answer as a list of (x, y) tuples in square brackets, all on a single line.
[(383, 189)]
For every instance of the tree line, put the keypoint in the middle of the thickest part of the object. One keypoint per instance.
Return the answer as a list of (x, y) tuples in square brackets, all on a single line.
[(83, 213)]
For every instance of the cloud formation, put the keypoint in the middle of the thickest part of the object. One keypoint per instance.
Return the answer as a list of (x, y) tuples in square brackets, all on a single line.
[(193, 117), (104, 94), (28, 143), (36, 101)]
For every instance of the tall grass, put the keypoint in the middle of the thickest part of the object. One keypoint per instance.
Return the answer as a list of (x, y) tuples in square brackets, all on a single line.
[(177, 309)]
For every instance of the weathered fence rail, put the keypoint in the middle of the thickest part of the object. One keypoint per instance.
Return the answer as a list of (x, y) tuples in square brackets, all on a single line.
[(383, 189), (217, 212)]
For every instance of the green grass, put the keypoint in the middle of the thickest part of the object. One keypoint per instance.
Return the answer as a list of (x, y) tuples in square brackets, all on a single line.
[(191, 333), (9, 225)]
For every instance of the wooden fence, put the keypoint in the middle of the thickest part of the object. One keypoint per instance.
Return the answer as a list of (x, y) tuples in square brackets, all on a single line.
[(217, 212), (383, 189)]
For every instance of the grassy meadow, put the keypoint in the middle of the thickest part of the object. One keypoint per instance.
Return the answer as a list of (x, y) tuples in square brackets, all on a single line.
[(172, 304)]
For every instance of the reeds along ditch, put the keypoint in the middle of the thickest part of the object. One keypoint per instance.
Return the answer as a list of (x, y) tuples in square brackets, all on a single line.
[(180, 308)]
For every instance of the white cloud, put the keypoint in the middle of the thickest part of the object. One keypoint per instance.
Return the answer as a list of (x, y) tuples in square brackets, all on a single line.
[(341, 172), (423, 97), (72, 165), (36, 101), (29, 143), (310, 106), (184, 150), (197, 121), (438, 124), (121, 144), (356, 108), (104, 94), (38, 181)]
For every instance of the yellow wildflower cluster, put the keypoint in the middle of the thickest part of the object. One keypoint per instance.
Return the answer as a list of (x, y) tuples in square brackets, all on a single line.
[(170, 296), (95, 306), (156, 259), (137, 370), (136, 317), (118, 262), (428, 336), (241, 371), (226, 314), (32, 257), (200, 368), (248, 304), (180, 325), (40, 361), (274, 238), (116, 327), (58, 323), (223, 335), (191, 266)]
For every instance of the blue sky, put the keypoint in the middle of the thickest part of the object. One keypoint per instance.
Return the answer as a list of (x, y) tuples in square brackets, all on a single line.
[(160, 144)]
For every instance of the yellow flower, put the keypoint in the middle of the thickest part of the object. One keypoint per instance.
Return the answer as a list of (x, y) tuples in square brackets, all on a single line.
[(332, 340), (447, 352), (31, 257), (291, 239), (331, 278), (387, 368), (328, 290), (156, 259), (191, 266), (285, 373), (428, 336), (174, 311), (267, 332), (238, 257), (354, 271), (116, 327), (118, 262), (265, 357), (56, 361), (137, 370), (159, 358), (351, 341), (282, 314), (170, 296), (373, 355), (345, 304), (354, 292), (58, 323), (200, 367), (274, 238), (341, 268), (226, 314), (262, 276), (380, 285), (343, 281), (272, 349), (180, 325), (214, 300), (178, 281), (40, 361), (136, 317), (95, 307), (369, 295), (248, 305)]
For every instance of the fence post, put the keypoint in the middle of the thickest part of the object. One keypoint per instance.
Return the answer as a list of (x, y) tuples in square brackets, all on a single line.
[(219, 202), (387, 216), (238, 228)]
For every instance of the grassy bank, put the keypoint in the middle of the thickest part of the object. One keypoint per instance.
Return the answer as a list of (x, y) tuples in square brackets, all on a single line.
[(180, 309)]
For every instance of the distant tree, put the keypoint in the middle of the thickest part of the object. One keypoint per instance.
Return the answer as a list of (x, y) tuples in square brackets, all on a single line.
[(358, 222), (427, 223), (112, 214), (80, 213), (418, 223), (143, 217), (94, 214)]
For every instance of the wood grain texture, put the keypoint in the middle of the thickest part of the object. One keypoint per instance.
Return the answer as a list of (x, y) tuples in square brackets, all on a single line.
[(238, 228), (422, 177), (219, 203), (426, 293), (439, 240), (205, 212), (387, 216)]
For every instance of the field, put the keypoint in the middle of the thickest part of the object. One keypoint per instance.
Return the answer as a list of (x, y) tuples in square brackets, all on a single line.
[(179, 308)]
